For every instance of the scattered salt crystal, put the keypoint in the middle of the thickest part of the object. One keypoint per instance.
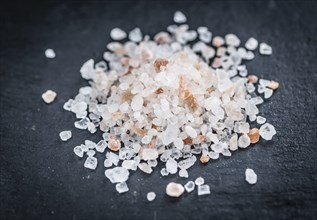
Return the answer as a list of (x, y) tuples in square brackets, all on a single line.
[(146, 168), (189, 186), (117, 34), (183, 173), (49, 96), (130, 164), (260, 119), (91, 153), (50, 53), (265, 49), (101, 146), (179, 17), (171, 166), (78, 150), (91, 163), (203, 190), (135, 35), (250, 176), (174, 189), (65, 135), (199, 181), (122, 187), (268, 93), (251, 44), (267, 131), (164, 172), (150, 196), (117, 174)]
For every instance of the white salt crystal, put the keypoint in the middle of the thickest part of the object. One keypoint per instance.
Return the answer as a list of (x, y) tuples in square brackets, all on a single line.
[(65, 135), (265, 49), (183, 173), (179, 17), (87, 70), (250, 176), (191, 132), (244, 141), (135, 35), (232, 40), (91, 163), (152, 163), (199, 181), (146, 139), (203, 190), (164, 172), (268, 93), (50, 53), (171, 166), (49, 96), (117, 174), (107, 163), (150, 196), (189, 186), (130, 164), (251, 44), (149, 154), (260, 120), (101, 146), (267, 131), (118, 34), (205, 37), (78, 150), (146, 168), (174, 189), (122, 187), (179, 144), (137, 103), (170, 134), (213, 155)]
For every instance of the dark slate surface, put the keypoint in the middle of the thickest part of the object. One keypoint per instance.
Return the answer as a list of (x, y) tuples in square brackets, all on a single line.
[(40, 176)]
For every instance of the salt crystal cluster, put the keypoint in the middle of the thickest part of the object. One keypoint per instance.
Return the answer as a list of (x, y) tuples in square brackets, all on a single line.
[(181, 95)]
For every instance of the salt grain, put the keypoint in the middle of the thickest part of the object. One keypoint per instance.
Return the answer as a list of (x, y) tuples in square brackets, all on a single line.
[(174, 189), (122, 187), (265, 49), (50, 53), (65, 135), (150, 196), (251, 44), (250, 176), (179, 17), (117, 34), (49, 96), (199, 181), (203, 190), (189, 186)]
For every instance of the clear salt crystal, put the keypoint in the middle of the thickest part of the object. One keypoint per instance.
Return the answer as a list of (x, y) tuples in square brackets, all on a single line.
[(179, 17), (117, 174), (122, 187), (232, 40), (91, 163), (135, 35), (260, 120), (267, 131), (171, 166), (137, 103), (65, 135), (49, 96), (164, 172), (149, 154), (244, 141), (199, 181), (191, 132), (152, 163), (78, 150), (203, 190), (118, 34), (150, 196), (183, 173), (50, 53), (205, 37), (87, 70), (189, 186), (146, 168), (130, 164), (174, 189), (91, 153), (265, 49), (251, 44), (179, 144), (107, 163), (82, 124), (101, 146), (250, 176), (268, 93), (146, 139)]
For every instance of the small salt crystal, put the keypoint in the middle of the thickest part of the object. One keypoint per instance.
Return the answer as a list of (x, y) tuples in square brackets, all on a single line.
[(203, 190), (135, 35), (146, 168), (65, 135), (189, 186), (50, 53), (101, 146), (267, 131), (149, 154), (250, 176), (150, 196), (91, 163), (260, 119), (205, 37), (164, 172), (251, 44), (91, 153), (265, 49), (191, 131), (78, 150), (49, 96), (117, 34), (82, 124), (183, 173), (171, 166), (244, 141), (117, 174), (268, 93), (174, 189), (199, 181), (130, 164), (122, 187), (232, 40), (179, 17)]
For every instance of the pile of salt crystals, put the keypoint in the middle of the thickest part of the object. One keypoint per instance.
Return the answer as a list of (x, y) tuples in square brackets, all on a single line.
[(171, 100)]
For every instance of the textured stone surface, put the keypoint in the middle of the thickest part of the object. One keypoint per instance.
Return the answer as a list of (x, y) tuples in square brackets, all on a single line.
[(41, 178)]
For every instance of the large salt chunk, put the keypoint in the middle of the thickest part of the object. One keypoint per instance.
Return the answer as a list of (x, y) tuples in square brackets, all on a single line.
[(137, 103), (87, 70), (91, 163), (190, 131), (174, 189), (117, 174), (250, 176), (267, 131)]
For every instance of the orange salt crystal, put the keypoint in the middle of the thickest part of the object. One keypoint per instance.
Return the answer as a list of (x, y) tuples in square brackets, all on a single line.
[(126, 96), (138, 131), (159, 91), (199, 139), (158, 63), (188, 141), (273, 85), (252, 79), (254, 135), (204, 159), (114, 144)]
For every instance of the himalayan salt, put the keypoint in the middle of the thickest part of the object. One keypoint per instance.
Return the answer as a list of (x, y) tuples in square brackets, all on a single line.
[(174, 189), (114, 144), (159, 63), (273, 85), (254, 135), (204, 159)]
